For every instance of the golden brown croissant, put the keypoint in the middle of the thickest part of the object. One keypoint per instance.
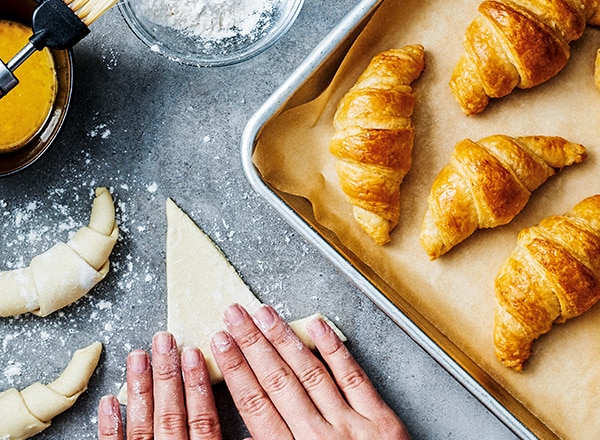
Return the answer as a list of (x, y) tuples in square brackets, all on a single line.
[(552, 275), (520, 44), (487, 183), (374, 136), (597, 70)]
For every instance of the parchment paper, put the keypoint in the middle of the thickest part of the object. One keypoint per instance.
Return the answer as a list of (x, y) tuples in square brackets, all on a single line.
[(561, 381)]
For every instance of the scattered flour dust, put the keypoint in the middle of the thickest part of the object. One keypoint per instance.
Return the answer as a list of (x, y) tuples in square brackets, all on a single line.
[(209, 19), (30, 227)]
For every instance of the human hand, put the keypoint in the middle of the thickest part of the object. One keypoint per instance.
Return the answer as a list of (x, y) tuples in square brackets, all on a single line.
[(283, 391), (168, 399)]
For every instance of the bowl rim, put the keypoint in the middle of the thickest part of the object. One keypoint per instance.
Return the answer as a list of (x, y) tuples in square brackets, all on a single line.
[(201, 60)]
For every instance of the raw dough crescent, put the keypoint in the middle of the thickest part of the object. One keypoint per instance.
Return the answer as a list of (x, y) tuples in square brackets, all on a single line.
[(28, 412), (65, 272), (201, 284)]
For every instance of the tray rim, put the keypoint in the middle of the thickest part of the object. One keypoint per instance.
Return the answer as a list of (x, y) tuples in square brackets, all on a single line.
[(271, 108)]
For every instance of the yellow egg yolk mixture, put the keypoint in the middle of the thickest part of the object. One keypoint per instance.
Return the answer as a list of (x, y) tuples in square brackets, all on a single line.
[(25, 109)]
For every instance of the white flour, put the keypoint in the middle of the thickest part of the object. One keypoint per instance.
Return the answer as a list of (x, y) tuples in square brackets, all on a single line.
[(209, 19)]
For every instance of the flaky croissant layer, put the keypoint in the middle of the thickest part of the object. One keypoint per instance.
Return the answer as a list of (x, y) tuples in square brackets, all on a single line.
[(487, 183), (519, 43), (373, 138), (552, 275)]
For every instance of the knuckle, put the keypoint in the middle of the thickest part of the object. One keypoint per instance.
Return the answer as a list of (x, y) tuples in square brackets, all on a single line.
[(171, 423), (166, 372), (352, 379), (248, 339), (277, 380), (392, 427), (253, 403), (205, 424), (136, 433), (312, 377), (107, 432), (138, 391), (200, 390), (232, 364)]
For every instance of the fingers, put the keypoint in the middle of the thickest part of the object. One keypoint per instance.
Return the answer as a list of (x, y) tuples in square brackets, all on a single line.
[(351, 379), (252, 402), (110, 425), (170, 419), (274, 374), (203, 418), (140, 401), (157, 407), (310, 371)]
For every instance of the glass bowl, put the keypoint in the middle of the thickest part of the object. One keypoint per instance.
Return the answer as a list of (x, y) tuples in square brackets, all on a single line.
[(21, 11), (205, 34)]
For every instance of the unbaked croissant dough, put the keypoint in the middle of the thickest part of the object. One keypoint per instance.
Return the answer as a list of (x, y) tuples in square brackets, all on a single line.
[(65, 272), (517, 44), (487, 183), (374, 136), (26, 413), (552, 275), (201, 284)]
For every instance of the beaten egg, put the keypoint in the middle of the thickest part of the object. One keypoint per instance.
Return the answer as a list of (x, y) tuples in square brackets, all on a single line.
[(25, 109)]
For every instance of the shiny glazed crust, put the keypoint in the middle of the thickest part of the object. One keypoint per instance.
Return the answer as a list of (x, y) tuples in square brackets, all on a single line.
[(551, 276), (519, 43), (373, 138), (487, 183)]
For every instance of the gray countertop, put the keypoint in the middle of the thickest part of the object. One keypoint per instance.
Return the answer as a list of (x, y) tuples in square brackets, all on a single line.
[(149, 128)]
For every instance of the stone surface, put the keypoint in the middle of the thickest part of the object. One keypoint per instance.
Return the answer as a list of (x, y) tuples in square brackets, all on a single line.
[(149, 128)]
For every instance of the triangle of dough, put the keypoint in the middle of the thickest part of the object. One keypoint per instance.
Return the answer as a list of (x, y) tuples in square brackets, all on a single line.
[(201, 284)]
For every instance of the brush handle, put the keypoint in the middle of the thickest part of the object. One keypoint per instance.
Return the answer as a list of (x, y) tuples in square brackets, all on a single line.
[(8, 80), (21, 56)]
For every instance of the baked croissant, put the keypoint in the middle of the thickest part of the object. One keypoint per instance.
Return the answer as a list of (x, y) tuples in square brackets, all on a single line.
[(487, 183), (597, 70), (517, 44), (373, 138), (552, 275)]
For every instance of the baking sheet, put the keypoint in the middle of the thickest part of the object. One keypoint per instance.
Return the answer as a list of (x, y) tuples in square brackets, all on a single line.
[(560, 386)]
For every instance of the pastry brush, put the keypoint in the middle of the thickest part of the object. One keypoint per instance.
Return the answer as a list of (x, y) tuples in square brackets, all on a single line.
[(56, 24)]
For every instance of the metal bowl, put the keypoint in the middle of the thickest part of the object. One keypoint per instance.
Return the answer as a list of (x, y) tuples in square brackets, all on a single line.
[(194, 46), (21, 11)]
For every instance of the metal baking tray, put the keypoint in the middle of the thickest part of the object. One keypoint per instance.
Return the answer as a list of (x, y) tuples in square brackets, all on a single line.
[(305, 84)]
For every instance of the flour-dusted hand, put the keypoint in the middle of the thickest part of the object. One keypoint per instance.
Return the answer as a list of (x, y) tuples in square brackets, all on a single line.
[(167, 399), (284, 391), (281, 389)]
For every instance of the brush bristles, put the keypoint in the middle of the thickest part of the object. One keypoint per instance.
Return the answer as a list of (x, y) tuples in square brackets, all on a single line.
[(89, 10)]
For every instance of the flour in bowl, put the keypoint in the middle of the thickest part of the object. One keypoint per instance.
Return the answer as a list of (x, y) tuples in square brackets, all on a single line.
[(209, 19)]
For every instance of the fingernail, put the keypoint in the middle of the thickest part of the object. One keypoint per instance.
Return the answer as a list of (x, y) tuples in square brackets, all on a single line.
[(233, 315), (221, 341), (163, 342), (317, 327), (190, 357), (137, 361), (265, 317), (106, 405)]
